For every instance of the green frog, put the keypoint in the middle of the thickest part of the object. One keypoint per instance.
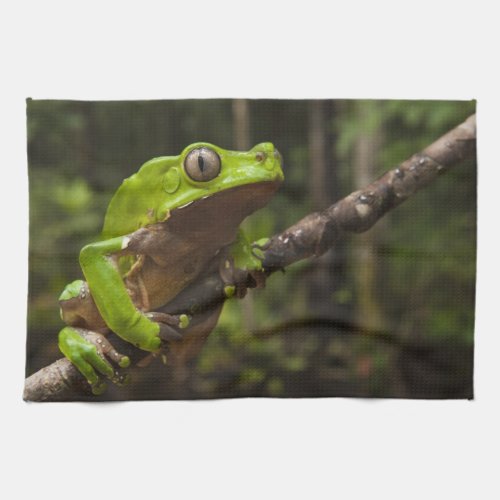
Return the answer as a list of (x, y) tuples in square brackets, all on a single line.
[(165, 226)]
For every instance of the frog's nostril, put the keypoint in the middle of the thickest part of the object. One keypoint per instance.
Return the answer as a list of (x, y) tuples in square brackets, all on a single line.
[(260, 156)]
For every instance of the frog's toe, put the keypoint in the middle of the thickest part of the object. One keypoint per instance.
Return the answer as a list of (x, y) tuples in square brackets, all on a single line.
[(169, 334), (106, 350), (98, 359), (260, 245), (94, 358), (98, 388), (169, 325), (87, 370), (184, 321), (181, 321), (152, 344)]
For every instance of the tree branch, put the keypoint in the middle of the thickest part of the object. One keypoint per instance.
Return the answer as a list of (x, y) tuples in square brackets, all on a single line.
[(358, 212), (311, 236)]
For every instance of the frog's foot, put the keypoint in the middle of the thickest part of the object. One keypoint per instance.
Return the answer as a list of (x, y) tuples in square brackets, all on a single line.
[(89, 352), (234, 279), (260, 246), (237, 280), (170, 325)]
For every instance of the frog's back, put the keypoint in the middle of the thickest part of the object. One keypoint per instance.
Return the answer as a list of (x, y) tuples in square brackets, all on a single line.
[(137, 201)]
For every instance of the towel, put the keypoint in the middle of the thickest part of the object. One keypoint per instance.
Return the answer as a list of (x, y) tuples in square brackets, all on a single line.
[(351, 273)]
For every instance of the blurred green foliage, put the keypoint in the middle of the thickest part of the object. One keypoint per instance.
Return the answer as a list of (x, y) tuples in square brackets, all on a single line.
[(79, 152)]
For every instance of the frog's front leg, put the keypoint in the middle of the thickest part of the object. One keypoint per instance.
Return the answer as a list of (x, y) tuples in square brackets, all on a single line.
[(243, 269), (91, 353), (111, 296)]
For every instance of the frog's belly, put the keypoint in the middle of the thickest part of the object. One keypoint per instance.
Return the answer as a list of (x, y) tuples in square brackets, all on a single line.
[(154, 285)]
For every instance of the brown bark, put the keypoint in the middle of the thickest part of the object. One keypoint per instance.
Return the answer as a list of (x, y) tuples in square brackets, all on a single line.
[(311, 236), (56, 382)]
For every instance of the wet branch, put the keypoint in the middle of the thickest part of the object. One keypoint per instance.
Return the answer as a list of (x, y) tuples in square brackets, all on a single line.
[(310, 237)]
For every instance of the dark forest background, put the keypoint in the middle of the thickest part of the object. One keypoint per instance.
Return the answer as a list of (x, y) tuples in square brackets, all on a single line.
[(388, 313)]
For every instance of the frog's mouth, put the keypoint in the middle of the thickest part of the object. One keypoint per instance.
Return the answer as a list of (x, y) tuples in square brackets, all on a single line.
[(226, 208)]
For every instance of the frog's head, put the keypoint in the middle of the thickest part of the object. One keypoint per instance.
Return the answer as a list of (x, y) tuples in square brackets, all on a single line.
[(238, 181), (212, 181), (207, 169), (223, 183)]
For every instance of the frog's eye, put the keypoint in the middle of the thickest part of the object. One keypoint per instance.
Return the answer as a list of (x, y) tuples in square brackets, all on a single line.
[(202, 164)]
